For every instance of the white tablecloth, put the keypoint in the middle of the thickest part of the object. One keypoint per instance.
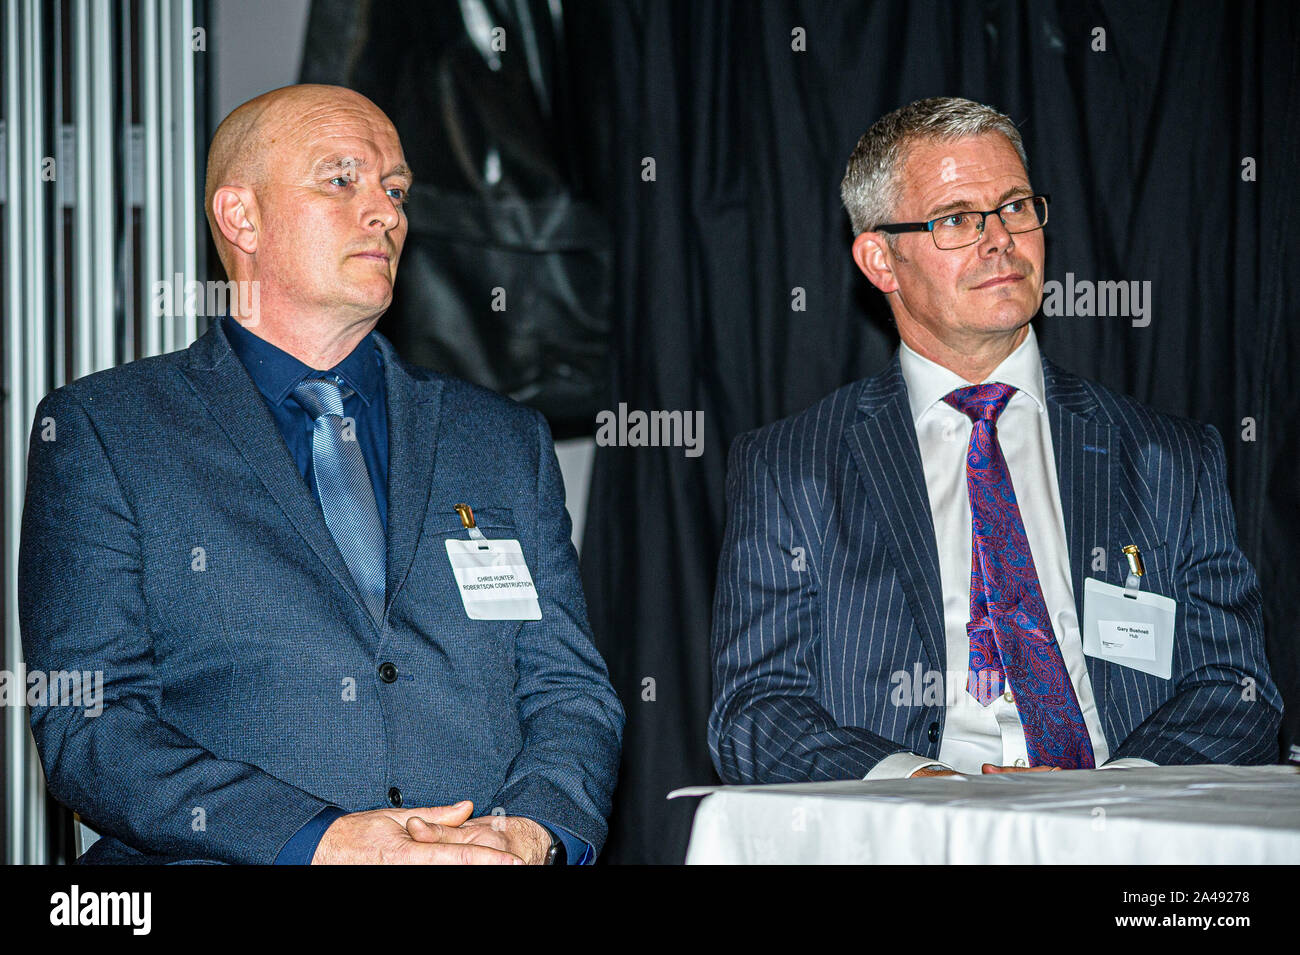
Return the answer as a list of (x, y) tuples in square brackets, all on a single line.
[(1165, 814)]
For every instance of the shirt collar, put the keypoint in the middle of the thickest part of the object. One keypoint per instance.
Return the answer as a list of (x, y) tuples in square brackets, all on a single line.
[(928, 382), (276, 372)]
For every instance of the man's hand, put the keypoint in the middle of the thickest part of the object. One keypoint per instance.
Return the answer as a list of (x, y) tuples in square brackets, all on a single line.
[(986, 769), (990, 768), (381, 836), (513, 834)]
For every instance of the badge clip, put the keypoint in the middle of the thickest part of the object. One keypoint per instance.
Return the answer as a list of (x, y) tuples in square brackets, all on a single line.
[(467, 518), (1135, 571)]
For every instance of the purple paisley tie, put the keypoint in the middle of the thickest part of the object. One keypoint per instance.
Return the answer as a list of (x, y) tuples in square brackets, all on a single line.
[(1010, 630)]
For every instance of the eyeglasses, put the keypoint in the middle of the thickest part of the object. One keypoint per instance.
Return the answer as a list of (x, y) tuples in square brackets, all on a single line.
[(959, 229)]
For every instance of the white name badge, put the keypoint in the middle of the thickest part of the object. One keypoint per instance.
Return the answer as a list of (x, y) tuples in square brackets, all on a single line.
[(493, 579), (1129, 627)]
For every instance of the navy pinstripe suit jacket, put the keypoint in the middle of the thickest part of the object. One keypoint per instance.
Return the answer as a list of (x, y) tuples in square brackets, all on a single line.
[(248, 685), (829, 583)]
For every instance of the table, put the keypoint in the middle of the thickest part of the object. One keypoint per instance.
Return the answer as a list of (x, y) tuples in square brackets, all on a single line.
[(1163, 814)]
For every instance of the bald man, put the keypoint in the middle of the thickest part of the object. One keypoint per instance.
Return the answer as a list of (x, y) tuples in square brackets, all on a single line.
[(331, 597)]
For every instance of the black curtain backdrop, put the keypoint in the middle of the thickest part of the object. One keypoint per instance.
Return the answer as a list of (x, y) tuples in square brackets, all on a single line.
[(506, 274), (1141, 146)]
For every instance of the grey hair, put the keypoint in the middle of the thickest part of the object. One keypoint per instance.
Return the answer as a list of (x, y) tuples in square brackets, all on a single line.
[(870, 189)]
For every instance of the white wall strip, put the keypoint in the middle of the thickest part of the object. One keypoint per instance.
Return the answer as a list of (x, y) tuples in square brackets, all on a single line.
[(106, 167)]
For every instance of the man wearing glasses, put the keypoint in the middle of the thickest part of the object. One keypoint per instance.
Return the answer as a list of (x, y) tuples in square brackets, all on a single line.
[(905, 581)]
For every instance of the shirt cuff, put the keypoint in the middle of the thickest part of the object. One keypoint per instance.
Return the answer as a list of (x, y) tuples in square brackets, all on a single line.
[(577, 851), (1128, 762), (903, 765), (302, 844)]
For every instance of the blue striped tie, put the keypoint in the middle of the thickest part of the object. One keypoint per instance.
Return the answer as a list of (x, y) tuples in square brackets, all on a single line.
[(346, 494)]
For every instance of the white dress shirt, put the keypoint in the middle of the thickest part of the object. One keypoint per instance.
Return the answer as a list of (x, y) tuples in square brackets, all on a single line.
[(975, 734)]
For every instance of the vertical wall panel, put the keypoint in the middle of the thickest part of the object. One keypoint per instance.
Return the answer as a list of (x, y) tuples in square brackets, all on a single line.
[(102, 177), (151, 211), (15, 427)]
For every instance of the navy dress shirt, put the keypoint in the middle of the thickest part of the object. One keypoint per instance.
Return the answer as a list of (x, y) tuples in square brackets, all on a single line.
[(275, 373)]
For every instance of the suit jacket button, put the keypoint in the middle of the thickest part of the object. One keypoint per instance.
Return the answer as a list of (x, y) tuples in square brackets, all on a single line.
[(934, 732), (395, 797), (387, 672)]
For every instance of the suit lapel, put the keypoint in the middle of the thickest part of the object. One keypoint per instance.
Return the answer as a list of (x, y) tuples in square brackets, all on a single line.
[(1085, 453), (414, 408), (224, 386), (883, 444)]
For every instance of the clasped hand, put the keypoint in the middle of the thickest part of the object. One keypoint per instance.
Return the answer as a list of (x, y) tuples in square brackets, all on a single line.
[(989, 768), (433, 835)]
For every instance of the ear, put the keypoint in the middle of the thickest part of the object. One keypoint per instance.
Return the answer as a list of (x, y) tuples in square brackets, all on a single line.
[(876, 261), (235, 211)]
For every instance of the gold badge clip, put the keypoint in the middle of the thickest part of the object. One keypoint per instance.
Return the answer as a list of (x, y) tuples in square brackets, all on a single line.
[(467, 518), (1135, 569)]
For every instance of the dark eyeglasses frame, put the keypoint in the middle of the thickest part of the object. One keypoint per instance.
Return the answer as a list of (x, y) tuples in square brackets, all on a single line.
[(896, 227)]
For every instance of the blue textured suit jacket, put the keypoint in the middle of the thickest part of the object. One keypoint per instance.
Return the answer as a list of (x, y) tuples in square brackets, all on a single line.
[(243, 680), (829, 583)]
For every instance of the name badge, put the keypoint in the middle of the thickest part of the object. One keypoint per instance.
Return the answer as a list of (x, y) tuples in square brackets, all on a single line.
[(1129, 627), (493, 579)]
